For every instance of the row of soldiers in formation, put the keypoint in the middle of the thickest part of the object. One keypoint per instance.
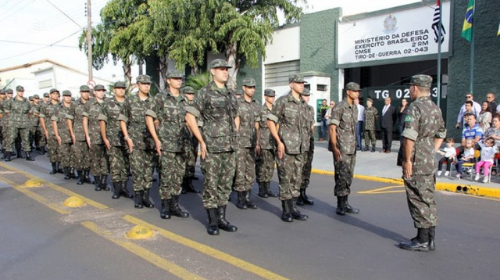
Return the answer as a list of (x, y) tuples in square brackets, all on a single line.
[(134, 134)]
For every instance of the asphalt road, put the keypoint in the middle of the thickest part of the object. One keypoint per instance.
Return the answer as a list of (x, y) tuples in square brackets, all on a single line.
[(41, 238)]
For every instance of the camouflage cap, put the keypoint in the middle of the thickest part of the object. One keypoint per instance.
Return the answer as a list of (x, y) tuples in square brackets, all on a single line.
[(238, 92), (352, 86), (119, 85), (421, 80), (20, 88), (53, 90), (144, 79), (66, 93), (187, 90), (2, 91), (219, 63), (84, 88), (306, 92), (174, 75), (36, 96), (9, 91), (46, 94), (30, 98), (296, 78), (269, 92), (249, 82), (369, 100), (99, 87)]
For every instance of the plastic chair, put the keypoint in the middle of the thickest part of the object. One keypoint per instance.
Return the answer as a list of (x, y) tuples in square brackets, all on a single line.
[(454, 162), (469, 167)]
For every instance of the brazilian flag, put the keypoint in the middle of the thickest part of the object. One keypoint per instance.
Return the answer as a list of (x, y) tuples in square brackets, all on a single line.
[(469, 15)]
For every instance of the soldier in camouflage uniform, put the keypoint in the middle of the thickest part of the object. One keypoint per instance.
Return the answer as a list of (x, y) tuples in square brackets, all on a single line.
[(371, 116), (266, 148), (306, 170), (40, 134), (292, 145), (46, 113), (191, 149), (5, 122), (2, 101), (139, 141), (62, 133), (112, 137), (18, 109), (169, 112), (80, 151), (343, 144), (99, 164), (217, 108), (247, 137), (424, 132), (35, 122)]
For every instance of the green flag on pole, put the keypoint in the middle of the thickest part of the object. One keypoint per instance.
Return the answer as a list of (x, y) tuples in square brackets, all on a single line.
[(469, 15)]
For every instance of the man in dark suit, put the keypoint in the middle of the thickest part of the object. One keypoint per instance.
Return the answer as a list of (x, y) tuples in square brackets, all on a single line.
[(387, 123)]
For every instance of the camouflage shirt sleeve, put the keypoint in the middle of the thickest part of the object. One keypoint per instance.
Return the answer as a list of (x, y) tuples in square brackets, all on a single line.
[(156, 106), (412, 123), (124, 111), (277, 111), (197, 107), (336, 114)]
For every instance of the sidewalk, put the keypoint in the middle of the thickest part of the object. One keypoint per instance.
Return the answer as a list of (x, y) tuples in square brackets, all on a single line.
[(382, 167)]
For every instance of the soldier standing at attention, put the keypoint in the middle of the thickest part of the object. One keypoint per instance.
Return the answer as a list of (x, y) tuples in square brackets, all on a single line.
[(92, 128), (62, 133), (46, 113), (139, 141), (18, 110), (5, 122), (343, 144), (112, 137), (371, 116), (246, 140), (191, 149), (169, 110), (35, 122), (424, 132), (2, 103), (293, 144), (306, 170), (217, 108), (81, 155), (266, 148), (42, 141)]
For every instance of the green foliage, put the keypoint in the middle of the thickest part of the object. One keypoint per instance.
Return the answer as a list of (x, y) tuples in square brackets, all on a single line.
[(198, 81)]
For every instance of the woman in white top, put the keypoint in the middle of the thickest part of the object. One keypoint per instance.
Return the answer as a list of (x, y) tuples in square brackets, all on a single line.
[(485, 116)]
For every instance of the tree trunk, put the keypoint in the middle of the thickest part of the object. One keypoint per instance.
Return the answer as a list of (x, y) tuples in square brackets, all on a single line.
[(127, 71), (233, 60), (163, 66)]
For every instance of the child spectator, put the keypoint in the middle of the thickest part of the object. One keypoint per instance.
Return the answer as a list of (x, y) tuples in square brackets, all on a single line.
[(467, 156), (449, 153), (488, 151)]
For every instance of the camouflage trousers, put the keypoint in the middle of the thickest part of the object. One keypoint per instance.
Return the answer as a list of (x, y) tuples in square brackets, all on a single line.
[(191, 154), (420, 197), (172, 173), (141, 163), (52, 145), (290, 175), (218, 174), (344, 172), (65, 152), (1, 135), (245, 169), (5, 136), (265, 165), (24, 133), (306, 170), (119, 163), (40, 137), (99, 164), (81, 156), (370, 135)]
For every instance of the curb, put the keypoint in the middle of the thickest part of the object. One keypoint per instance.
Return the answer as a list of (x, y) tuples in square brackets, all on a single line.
[(441, 186)]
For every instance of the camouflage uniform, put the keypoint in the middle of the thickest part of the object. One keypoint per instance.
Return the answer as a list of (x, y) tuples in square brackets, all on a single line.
[(40, 134), (371, 115), (191, 149), (18, 122), (65, 149), (81, 153), (46, 113), (2, 121), (34, 121), (265, 160), (99, 158), (306, 171)]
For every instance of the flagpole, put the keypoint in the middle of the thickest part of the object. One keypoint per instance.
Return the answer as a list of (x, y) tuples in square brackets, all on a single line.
[(471, 85), (439, 59)]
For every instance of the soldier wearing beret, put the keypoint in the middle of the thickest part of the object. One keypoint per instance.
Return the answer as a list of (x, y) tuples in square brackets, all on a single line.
[(292, 145), (371, 116), (191, 150), (308, 124), (19, 110), (139, 141), (63, 135), (266, 147), (424, 131), (343, 144), (217, 108)]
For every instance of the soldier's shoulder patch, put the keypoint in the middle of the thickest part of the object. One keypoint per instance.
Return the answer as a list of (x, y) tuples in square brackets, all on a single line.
[(408, 118)]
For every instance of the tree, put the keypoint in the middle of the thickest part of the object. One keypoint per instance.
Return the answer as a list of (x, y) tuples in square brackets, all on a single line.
[(198, 81)]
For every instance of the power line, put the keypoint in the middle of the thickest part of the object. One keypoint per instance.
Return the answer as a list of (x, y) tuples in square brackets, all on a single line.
[(65, 14), (36, 44), (8, 15)]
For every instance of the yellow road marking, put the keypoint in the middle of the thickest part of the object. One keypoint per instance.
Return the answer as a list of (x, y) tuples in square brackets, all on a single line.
[(384, 190), (56, 187), (35, 196), (143, 253), (207, 250)]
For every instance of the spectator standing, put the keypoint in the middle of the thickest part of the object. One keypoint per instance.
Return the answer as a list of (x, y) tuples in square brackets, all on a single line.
[(323, 110), (371, 117), (485, 116), (401, 117), (359, 124), (475, 108), (387, 123)]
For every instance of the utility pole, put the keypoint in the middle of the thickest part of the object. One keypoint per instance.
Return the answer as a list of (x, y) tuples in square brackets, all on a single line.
[(89, 39)]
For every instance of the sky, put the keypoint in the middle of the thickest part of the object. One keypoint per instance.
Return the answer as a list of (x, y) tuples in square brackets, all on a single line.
[(40, 29)]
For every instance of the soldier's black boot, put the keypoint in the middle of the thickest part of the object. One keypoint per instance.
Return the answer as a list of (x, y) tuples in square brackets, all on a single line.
[(124, 190), (189, 186), (138, 199), (250, 204), (348, 208), (165, 209), (286, 216), (295, 211), (419, 243), (67, 176), (263, 190), (19, 155), (97, 183), (305, 199), (80, 177), (3, 153), (242, 201), (145, 199), (340, 206), (366, 148), (117, 188), (59, 169), (86, 177), (222, 222), (184, 190), (432, 234), (28, 157), (269, 192), (54, 168), (7, 156), (104, 183), (42, 150), (213, 222), (373, 149), (72, 173), (175, 209)]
